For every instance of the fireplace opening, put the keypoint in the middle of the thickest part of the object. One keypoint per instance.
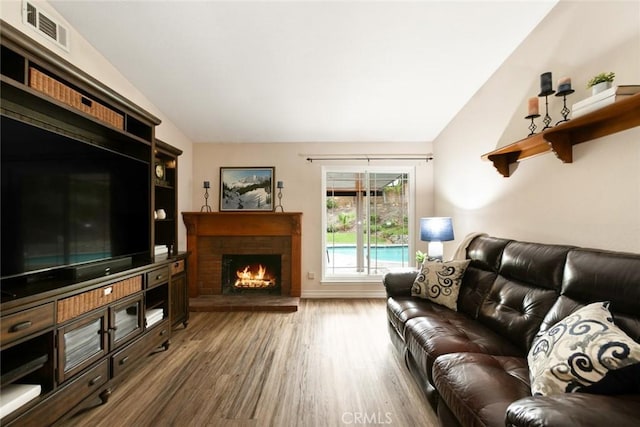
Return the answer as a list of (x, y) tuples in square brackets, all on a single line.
[(255, 273)]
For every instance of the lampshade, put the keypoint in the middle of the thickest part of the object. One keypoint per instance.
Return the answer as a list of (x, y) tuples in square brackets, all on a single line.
[(436, 229)]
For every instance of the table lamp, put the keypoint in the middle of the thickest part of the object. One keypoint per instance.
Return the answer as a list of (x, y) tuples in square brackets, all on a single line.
[(436, 230)]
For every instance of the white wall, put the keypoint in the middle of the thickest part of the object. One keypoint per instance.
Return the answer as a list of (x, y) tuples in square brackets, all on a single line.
[(593, 202), (89, 60), (303, 192)]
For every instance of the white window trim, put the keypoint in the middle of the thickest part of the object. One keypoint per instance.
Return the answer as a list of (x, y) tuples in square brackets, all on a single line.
[(365, 278)]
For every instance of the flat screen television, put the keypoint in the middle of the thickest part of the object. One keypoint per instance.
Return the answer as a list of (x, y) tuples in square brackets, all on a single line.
[(68, 202)]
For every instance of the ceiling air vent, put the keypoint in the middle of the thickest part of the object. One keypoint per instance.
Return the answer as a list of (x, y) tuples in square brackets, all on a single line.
[(44, 25)]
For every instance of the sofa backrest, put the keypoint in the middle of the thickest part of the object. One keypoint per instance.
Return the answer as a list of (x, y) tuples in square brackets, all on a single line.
[(519, 288), (526, 287), (595, 275), (485, 253)]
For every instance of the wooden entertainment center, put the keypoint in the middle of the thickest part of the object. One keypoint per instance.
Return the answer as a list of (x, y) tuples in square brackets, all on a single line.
[(69, 338)]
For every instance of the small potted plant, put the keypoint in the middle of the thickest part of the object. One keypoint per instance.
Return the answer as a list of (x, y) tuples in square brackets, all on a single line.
[(420, 256), (601, 82)]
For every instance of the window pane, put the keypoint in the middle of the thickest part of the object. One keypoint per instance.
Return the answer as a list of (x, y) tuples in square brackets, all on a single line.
[(389, 221)]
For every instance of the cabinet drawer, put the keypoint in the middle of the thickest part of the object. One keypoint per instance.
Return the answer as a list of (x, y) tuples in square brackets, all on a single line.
[(177, 267), (126, 358), (76, 305), (159, 334), (135, 352), (68, 396), (157, 277), (26, 322)]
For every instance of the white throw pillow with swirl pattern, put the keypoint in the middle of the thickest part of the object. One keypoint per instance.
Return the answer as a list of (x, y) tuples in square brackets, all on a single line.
[(440, 282), (579, 351)]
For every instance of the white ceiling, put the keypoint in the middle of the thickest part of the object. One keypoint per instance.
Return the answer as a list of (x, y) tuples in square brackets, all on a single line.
[(294, 71)]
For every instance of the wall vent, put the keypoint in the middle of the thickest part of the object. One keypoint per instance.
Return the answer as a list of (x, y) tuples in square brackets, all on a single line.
[(44, 24)]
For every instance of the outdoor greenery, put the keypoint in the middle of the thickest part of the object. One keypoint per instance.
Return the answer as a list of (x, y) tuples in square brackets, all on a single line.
[(385, 226), (346, 220), (347, 238), (381, 233)]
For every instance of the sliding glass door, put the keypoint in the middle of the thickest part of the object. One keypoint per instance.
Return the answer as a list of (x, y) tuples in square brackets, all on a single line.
[(368, 212)]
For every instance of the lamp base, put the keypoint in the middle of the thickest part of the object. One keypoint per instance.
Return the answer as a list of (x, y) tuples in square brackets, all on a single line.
[(435, 250)]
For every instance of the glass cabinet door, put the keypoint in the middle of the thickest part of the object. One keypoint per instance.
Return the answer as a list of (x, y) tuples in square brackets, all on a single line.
[(126, 320), (80, 343)]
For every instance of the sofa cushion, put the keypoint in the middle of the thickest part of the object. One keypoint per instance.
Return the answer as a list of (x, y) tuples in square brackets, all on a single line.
[(478, 388), (579, 351), (535, 264), (444, 331), (474, 289), (592, 275), (526, 288), (439, 282), (575, 409), (485, 253), (401, 309)]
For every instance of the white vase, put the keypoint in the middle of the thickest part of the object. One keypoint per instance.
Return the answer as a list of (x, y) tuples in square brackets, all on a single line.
[(597, 88), (161, 214)]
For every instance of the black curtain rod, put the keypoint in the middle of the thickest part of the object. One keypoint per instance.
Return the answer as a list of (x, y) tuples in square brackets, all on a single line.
[(425, 158)]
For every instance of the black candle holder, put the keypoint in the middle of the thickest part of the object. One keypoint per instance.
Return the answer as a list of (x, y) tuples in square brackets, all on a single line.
[(532, 126), (547, 118), (565, 111), (280, 186), (279, 205), (206, 207)]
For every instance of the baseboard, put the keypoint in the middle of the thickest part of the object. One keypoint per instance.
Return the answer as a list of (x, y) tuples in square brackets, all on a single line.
[(344, 293)]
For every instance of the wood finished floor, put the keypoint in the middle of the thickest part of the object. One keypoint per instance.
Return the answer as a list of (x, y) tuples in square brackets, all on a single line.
[(329, 364)]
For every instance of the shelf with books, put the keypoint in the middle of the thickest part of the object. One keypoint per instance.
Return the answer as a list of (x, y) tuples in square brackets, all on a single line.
[(604, 98), (615, 117)]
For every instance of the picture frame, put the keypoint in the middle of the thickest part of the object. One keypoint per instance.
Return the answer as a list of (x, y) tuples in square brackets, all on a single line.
[(247, 189)]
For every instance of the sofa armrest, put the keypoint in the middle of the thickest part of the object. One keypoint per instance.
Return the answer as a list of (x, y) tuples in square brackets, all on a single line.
[(398, 283), (575, 409)]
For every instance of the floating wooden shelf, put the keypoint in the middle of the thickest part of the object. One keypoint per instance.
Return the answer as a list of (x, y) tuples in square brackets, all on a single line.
[(619, 116)]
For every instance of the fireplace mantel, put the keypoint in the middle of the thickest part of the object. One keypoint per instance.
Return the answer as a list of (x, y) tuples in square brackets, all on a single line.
[(206, 227)]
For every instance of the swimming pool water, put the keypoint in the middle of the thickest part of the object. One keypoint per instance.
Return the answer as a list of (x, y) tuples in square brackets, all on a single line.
[(392, 253)]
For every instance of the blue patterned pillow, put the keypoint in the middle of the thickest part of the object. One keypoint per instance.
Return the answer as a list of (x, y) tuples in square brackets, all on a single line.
[(581, 351), (440, 282)]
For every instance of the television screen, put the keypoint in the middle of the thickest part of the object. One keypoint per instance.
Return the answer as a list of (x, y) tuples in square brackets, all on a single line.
[(67, 202)]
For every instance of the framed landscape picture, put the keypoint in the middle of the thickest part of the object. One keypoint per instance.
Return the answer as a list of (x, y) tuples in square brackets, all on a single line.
[(246, 189)]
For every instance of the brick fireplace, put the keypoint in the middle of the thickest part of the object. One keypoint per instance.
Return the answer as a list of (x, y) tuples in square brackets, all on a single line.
[(212, 238)]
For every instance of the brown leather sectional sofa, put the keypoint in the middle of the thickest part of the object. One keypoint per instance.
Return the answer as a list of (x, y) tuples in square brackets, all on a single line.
[(472, 363)]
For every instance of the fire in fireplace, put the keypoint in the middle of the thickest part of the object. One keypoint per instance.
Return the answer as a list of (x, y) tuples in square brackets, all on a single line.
[(251, 273)]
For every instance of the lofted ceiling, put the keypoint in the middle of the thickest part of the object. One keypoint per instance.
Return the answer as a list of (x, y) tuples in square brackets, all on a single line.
[(306, 71)]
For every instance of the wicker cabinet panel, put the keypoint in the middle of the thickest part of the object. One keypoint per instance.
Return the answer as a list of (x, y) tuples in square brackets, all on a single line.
[(63, 93), (76, 305)]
